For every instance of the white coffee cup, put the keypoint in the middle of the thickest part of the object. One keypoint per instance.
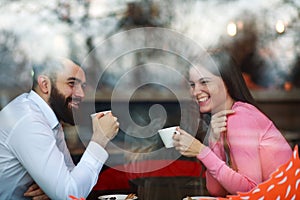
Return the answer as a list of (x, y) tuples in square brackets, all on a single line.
[(104, 112), (166, 135)]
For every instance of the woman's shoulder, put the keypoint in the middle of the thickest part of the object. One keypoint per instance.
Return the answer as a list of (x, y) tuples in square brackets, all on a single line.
[(247, 110), (245, 107), (249, 117)]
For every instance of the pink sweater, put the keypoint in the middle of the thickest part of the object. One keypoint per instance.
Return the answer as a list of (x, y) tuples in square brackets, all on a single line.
[(256, 146)]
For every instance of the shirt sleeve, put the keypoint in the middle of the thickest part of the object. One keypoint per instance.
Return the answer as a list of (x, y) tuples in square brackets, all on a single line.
[(37, 151)]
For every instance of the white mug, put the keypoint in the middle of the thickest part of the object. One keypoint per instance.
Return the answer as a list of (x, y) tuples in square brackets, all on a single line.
[(166, 135), (104, 112)]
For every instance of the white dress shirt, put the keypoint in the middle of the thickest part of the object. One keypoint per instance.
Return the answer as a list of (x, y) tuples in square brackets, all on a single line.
[(33, 149)]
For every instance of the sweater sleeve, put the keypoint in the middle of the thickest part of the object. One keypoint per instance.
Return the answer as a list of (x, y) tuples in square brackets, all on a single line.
[(219, 175)]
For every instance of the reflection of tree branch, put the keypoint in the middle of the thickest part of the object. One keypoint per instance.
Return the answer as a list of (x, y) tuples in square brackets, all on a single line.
[(13, 61), (63, 11), (294, 4), (86, 5)]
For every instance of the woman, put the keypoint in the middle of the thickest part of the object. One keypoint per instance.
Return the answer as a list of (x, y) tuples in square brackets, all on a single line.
[(244, 146)]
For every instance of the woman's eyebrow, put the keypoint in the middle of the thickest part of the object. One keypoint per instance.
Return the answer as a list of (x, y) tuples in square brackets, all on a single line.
[(204, 79)]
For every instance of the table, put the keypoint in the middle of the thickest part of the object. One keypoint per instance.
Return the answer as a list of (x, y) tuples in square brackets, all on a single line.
[(96, 193), (175, 188), (160, 188)]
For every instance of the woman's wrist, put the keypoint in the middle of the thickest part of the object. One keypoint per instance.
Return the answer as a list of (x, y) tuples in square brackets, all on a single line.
[(203, 152), (202, 147)]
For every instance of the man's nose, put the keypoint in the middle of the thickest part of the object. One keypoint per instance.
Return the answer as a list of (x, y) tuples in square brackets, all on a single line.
[(79, 91)]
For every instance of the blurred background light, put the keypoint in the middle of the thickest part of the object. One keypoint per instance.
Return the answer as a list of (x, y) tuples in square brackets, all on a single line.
[(232, 29), (280, 26)]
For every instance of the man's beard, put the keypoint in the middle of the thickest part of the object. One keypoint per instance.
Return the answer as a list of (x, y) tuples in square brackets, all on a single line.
[(59, 105)]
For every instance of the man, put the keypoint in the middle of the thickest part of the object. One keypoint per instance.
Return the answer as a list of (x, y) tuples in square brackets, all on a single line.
[(34, 159)]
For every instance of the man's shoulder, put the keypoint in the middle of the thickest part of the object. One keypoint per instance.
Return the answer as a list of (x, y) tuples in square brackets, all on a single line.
[(20, 105), (19, 111)]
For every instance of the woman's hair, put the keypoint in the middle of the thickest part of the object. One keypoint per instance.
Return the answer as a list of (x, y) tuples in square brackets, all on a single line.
[(220, 63)]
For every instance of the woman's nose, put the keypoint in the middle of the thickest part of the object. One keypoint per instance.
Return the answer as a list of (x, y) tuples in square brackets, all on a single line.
[(197, 90)]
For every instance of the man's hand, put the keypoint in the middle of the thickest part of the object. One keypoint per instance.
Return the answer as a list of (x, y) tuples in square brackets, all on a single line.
[(105, 128), (36, 193), (218, 124)]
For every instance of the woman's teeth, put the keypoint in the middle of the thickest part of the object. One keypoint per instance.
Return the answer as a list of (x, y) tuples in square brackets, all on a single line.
[(203, 99)]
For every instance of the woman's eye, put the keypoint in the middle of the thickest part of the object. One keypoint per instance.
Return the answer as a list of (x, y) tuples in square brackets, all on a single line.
[(204, 82), (192, 85)]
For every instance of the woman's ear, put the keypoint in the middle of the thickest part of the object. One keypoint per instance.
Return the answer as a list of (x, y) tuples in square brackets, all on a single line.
[(44, 84)]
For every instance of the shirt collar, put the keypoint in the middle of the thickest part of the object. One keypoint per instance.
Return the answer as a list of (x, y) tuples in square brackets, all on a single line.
[(45, 109)]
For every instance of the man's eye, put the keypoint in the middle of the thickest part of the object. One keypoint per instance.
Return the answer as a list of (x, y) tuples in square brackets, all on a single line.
[(71, 84), (83, 86)]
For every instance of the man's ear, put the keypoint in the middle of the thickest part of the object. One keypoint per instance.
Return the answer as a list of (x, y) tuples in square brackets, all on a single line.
[(44, 84)]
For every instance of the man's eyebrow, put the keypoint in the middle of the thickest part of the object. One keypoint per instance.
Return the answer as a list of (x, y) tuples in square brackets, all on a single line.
[(77, 80), (74, 79)]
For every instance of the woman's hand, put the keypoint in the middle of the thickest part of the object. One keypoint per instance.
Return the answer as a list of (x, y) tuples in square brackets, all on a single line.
[(186, 144), (218, 124), (36, 193)]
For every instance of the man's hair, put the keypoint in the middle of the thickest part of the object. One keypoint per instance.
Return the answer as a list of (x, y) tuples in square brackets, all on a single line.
[(49, 68)]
